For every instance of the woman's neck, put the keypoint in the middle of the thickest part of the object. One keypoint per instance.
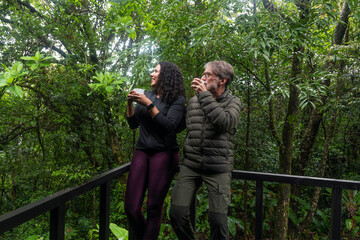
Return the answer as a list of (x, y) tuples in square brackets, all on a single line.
[(158, 93)]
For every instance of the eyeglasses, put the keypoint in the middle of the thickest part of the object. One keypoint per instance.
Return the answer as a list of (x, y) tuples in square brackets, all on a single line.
[(207, 74)]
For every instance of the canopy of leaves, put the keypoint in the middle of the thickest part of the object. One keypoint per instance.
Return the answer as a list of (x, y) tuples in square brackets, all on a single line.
[(66, 68)]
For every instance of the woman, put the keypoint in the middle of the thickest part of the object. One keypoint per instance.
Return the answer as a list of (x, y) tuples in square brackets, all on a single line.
[(160, 114)]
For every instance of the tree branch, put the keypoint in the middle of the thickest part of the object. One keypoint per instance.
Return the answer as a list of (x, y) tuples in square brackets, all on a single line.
[(342, 24), (31, 8), (251, 72), (50, 45), (269, 5), (272, 127), (18, 130)]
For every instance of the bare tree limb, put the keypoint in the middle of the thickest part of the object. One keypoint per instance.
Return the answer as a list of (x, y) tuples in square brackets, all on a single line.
[(251, 72)]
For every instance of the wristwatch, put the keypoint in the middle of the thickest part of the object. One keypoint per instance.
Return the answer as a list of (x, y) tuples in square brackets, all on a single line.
[(150, 106)]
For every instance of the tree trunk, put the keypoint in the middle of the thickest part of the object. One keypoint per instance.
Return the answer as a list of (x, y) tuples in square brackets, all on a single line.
[(303, 159), (312, 130), (286, 150), (2, 187), (307, 142), (247, 158), (13, 183), (325, 153), (285, 144), (342, 25), (118, 155), (354, 146)]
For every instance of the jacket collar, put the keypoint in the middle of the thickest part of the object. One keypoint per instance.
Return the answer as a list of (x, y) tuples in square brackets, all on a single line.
[(223, 95)]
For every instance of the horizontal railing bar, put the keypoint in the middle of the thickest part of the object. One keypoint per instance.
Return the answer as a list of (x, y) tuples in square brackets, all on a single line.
[(32, 210), (299, 180)]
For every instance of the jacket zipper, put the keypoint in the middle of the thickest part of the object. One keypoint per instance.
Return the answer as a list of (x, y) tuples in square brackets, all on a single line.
[(202, 145)]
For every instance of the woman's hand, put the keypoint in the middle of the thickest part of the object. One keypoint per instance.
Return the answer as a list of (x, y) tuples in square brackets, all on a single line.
[(139, 98), (129, 99)]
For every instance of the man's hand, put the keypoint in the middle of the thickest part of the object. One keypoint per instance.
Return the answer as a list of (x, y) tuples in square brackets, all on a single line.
[(198, 85)]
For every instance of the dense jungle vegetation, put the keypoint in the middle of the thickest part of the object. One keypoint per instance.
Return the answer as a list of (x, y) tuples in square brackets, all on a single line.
[(67, 65)]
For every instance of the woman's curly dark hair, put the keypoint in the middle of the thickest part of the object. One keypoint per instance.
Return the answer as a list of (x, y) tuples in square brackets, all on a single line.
[(171, 82)]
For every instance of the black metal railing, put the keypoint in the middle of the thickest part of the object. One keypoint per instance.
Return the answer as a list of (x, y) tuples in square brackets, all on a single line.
[(336, 185), (56, 203)]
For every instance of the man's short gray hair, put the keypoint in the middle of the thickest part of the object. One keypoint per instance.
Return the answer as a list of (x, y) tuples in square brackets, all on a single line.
[(222, 69)]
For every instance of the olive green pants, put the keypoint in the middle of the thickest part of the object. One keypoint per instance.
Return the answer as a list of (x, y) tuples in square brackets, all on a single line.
[(186, 186)]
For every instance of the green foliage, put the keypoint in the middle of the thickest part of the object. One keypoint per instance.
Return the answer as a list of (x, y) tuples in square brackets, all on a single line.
[(37, 61), (107, 82), (233, 223), (321, 221), (67, 65), (351, 199), (125, 24), (120, 233), (303, 206), (34, 237), (11, 78)]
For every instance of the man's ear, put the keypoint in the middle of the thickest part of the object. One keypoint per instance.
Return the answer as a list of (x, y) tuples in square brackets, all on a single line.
[(223, 81)]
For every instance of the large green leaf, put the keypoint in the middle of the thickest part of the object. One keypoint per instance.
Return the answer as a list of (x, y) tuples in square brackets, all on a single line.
[(119, 232)]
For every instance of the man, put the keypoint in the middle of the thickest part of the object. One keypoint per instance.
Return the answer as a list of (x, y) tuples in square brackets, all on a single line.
[(211, 120)]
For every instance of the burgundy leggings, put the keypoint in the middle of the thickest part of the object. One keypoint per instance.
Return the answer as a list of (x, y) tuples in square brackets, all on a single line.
[(152, 171)]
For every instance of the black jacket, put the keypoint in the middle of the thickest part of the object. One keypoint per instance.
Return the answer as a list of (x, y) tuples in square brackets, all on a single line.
[(158, 133), (211, 124)]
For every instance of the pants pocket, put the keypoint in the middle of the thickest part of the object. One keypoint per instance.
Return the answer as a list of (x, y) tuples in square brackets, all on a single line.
[(220, 199)]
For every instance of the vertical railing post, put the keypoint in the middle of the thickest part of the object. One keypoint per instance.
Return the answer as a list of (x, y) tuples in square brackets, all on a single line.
[(57, 222), (259, 210), (336, 214), (104, 211)]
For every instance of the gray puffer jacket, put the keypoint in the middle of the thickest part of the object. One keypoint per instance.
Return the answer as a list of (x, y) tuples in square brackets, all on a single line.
[(211, 124)]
